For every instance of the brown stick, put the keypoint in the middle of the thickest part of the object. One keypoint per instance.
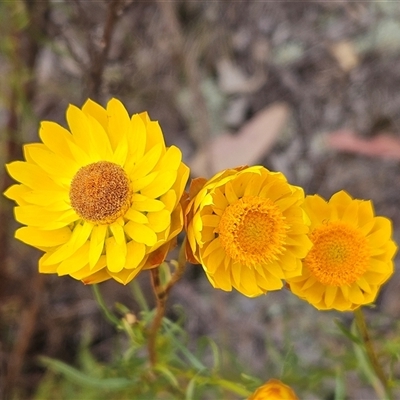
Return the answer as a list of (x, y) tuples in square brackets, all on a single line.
[(188, 57), (161, 294), (25, 333), (98, 55), (26, 46)]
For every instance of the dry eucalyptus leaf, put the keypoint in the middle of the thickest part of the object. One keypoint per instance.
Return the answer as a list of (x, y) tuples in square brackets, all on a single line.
[(345, 54), (383, 145), (247, 147)]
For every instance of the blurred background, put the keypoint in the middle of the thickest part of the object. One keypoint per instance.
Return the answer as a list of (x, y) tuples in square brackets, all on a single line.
[(307, 88)]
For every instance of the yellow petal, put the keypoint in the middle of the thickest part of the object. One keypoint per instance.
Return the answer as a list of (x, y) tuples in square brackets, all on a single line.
[(211, 220), (314, 293), (61, 167), (381, 232), (36, 237), (121, 153), (219, 199), (46, 198), (248, 283), (119, 125), (44, 268), (118, 233), (230, 194), (136, 216), (378, 266), (31, 175), (86, 271), (139, 136), (170, 160), (99, 140), (139, 184), (355, 294), (116, 255), (253, 184), (317, 209), (365, 212), (330, 295), (75, 262), (350, 214), (159, 220), (17, 192), (220, 279), (56, 138), (160, 185), (154, 133), (135, 254), (91, 108), (169, 200), (339, 202), (36, 215), (149, 205), (125, 276), (147, 163), (141, 233), (97, 240), (364, 285), (97, 277), (79, 127), (278, 190), (79, 236)]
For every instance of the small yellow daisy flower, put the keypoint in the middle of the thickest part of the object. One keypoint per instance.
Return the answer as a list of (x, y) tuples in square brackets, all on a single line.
[(274, 390), (247, 229), (351, 257), (102, 199)]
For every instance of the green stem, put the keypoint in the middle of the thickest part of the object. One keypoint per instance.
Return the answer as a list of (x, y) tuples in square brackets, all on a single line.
[(107, 313), (373, 359), (139, 297), (204, 380), (161, 294)]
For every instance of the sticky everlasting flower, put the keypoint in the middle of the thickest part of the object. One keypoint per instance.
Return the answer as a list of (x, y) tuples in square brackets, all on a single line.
[(247, 229), (274, 390), (351, 257), (102, 199)]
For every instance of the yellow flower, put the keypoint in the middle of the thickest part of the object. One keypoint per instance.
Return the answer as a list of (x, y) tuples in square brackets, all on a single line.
[(351, 256), (274, 390), (102, 199), (247, 229)]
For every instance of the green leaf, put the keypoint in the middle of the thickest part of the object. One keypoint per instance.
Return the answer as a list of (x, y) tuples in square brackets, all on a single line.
[(340, 387), (167, 374), (76, 376), (190, 390), (347, 332)]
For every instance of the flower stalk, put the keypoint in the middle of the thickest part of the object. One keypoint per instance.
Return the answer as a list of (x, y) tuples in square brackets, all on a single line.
[(371, 354), (161, 293)]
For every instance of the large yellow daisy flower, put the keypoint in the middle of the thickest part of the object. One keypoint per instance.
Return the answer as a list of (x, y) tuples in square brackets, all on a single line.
[(102, 199), (274, 390), (351, 257), (247, 229)]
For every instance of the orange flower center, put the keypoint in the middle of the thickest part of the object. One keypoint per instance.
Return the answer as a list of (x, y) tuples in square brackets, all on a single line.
[(100, 192), (339, 256), (253, 231)]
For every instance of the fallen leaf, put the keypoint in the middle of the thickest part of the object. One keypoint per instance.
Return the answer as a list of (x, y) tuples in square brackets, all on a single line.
[(345, 54), (383, 145), (247, 147)]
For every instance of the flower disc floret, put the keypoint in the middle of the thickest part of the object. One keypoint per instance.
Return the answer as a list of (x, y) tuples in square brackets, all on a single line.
[(247, 229), (340, 254), (100, 192), (351, 257), (102, 199), (252, 231)]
